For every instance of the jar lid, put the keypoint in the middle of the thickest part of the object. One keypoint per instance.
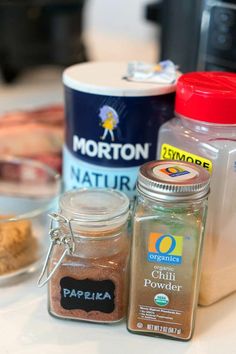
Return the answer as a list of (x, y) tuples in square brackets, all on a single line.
[(173, 180), (207, 96), (107, 78), (95, 207)]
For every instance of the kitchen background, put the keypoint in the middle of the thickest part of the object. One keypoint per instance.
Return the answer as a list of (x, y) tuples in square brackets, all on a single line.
[(196, 34), (38, 39), (110, 31)]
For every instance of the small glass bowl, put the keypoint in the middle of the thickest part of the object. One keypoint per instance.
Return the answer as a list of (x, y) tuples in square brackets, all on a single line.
[(29, 190)]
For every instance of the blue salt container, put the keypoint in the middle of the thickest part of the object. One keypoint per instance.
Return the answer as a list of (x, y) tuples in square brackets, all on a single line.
[(111, 125)]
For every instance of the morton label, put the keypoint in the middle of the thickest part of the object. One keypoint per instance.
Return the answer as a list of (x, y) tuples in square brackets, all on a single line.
[(109, 137), (78, 173), (169, 152)]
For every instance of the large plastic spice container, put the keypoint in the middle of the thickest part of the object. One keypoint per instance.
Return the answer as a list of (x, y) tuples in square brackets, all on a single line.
[(88, 260), (168, 228), (204, 132)]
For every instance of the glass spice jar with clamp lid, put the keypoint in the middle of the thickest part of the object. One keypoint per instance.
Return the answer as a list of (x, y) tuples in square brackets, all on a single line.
[(87, 262)]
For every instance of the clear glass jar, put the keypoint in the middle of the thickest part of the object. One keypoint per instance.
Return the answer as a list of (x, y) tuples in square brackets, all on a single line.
[(88, 263), (206, 135), (168, 227), (29, 190)]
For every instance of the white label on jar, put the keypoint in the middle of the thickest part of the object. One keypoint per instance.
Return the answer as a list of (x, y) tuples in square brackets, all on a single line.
[(174, 173)]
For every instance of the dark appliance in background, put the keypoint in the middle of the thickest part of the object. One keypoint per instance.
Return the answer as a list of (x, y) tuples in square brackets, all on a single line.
[(40, 32), (197, 34)]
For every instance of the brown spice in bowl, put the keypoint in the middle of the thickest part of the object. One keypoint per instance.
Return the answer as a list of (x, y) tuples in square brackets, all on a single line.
[(18, 247)]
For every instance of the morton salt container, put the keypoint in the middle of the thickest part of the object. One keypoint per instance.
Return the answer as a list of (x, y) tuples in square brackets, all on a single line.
[(111, 125)]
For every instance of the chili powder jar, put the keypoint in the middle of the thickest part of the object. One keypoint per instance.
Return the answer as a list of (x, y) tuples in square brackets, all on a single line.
[(87, 262), (168, 227)]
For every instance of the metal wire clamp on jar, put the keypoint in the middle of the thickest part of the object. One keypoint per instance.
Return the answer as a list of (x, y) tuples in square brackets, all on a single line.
[(87, 262)]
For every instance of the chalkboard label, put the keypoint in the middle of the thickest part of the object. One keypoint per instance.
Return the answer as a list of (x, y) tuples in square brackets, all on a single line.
[(87, 294)]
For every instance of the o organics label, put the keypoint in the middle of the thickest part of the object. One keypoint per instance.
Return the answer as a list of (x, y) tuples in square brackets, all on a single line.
[(165, 248), (174, 171), (170, 172)]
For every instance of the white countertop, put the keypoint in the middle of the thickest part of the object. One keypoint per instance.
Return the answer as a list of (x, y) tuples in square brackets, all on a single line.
[(26, 327)]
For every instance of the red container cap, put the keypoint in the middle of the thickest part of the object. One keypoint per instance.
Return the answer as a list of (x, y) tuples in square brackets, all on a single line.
[(207, 96)]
